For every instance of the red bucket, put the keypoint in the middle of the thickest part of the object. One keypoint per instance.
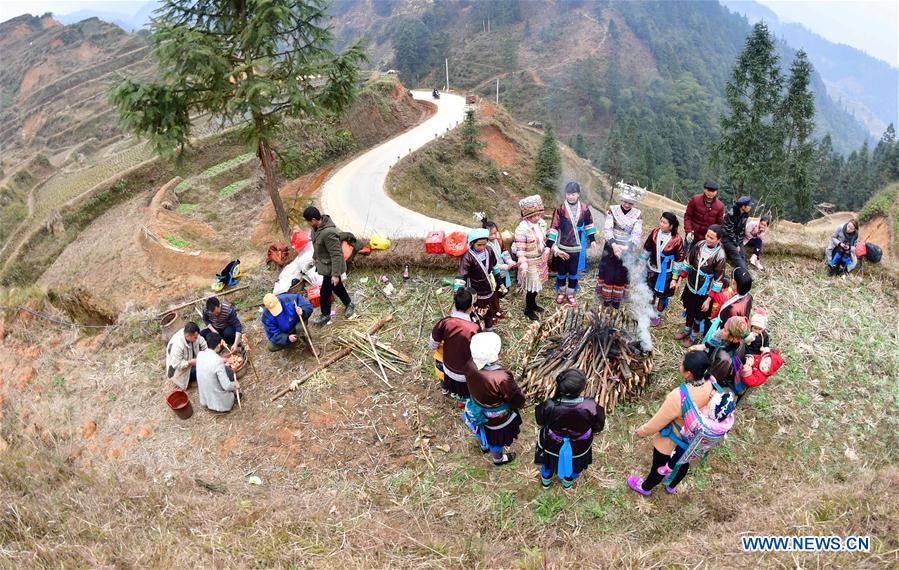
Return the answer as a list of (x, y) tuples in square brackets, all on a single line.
[(180, 404)]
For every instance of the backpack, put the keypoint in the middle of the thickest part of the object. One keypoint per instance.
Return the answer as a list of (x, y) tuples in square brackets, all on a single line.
[(874, 253), (699, 433), (229, 276)]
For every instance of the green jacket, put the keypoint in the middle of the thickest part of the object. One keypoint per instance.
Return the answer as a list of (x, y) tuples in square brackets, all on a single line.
[(327, 250)]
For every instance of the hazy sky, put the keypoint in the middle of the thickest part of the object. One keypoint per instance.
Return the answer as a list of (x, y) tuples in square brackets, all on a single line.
[(870, 25)]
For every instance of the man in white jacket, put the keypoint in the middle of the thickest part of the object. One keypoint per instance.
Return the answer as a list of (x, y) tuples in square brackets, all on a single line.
[(181, 355), (214, 379)]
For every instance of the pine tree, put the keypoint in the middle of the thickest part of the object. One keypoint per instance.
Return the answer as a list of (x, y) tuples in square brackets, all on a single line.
[(579, 146), (797, 119), (548, 166), (470, 143), (750, 138), (412, 48), (883, 158), (245, 63)]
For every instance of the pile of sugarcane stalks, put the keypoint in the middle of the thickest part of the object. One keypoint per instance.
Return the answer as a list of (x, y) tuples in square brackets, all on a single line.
[(602, 344), (380, 354)]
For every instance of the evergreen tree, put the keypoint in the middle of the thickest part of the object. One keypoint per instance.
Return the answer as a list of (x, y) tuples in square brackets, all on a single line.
[(247, 63), (579, 146), (412, 48), (884, 158), (797, 118), (548, 166), (750, 138), (470, 143)]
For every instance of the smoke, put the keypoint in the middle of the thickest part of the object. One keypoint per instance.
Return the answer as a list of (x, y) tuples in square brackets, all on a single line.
[(640, 296)]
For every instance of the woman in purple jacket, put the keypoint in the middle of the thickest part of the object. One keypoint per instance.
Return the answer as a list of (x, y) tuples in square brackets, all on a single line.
[(567, 423)]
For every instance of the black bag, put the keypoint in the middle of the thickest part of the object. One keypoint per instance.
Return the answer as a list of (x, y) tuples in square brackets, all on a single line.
[(875, 253)]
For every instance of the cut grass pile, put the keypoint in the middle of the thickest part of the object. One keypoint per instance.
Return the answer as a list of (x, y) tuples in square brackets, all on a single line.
[(185, 209), (360, 475), (232, 188)]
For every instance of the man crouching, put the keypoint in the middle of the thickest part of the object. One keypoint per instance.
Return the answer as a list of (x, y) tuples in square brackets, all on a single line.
[(215, 379)]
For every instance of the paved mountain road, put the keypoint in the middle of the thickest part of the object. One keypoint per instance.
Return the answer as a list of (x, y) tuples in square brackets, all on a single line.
[(354, 195)]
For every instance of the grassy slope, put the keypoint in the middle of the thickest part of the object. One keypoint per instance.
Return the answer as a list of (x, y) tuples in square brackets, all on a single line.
[(361, 475)]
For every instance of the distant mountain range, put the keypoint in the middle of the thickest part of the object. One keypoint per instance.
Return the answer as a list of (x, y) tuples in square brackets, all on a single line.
[(130, 21), (865, 85)]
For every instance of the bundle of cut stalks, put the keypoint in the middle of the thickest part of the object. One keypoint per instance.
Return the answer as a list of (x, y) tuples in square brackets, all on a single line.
[(379, 353), (602, 344)]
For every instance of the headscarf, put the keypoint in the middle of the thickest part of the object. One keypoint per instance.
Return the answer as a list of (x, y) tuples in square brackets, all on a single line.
[(485, 348), (737, 327)]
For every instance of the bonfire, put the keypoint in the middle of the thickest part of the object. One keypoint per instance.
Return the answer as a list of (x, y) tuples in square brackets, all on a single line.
[(602, 344)]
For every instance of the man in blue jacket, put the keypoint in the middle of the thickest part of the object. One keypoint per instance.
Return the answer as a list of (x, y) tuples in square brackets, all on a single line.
[(280, 318)]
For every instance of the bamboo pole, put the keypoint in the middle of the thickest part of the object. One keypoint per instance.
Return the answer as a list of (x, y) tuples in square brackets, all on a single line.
[(309, 338)]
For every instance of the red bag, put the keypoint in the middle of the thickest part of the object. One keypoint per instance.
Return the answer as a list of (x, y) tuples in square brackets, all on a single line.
[(861, 249), (455, 244), (314, 296), (299, 240)]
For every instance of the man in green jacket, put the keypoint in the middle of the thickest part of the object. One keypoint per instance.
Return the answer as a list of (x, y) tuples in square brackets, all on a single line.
[(327, 253)]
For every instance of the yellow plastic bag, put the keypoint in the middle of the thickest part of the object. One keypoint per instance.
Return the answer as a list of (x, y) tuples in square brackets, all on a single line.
[(378, 242)]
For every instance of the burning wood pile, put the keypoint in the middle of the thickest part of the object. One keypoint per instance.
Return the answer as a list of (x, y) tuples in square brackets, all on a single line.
[(602, 344)]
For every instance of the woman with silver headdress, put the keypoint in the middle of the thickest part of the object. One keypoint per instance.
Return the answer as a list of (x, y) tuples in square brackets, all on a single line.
[(623, 234)]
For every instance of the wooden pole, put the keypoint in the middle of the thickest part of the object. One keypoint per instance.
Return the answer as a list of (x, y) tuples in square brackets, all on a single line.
[(378, 359), (329, 361), (309, 338), (220, 294)]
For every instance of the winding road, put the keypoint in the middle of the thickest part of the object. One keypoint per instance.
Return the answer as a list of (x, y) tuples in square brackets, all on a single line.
[(354, 195)]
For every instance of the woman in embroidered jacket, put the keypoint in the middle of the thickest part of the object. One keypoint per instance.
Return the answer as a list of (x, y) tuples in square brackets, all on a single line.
[(623, 232), (478, 270), (568, 422), (492, 410), (530, 247), (663, 253), (570, 233), (450, 339), (704, 265)]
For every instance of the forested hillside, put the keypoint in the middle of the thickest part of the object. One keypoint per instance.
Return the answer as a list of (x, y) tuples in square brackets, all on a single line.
[(867, 86), (636, 86)]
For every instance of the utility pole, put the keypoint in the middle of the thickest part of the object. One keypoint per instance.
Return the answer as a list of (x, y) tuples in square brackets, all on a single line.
[(446, 61), (497, 91)]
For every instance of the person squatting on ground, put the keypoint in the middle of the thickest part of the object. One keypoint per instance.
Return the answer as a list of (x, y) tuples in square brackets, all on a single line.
[(505, 264), (568, 423), (752, 240), (703, 210), (841, 256), (663, 253), (280, 316), (675, 425), (728, 354), (530, 247), (570, 233), (215, 379), (181, 355), (221, 318), (492, 410), (705, 264), (734, 230), (327, 252), (623, 232), (450, 340), (478, 270)]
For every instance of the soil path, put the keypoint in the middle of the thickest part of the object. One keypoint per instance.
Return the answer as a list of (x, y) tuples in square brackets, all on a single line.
[(354, 196)]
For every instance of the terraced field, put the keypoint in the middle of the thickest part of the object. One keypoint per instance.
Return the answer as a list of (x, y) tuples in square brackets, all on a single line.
[(67, 185)]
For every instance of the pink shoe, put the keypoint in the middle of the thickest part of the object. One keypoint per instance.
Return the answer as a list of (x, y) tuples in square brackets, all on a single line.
[(664, 470), (572, 301), (560, 298), (636, 483), (671, 490), (682, 335), (655, 321)]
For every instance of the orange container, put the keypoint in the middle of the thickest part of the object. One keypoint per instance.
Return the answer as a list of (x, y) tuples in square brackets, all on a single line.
[(456, 244), (314, 296)]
